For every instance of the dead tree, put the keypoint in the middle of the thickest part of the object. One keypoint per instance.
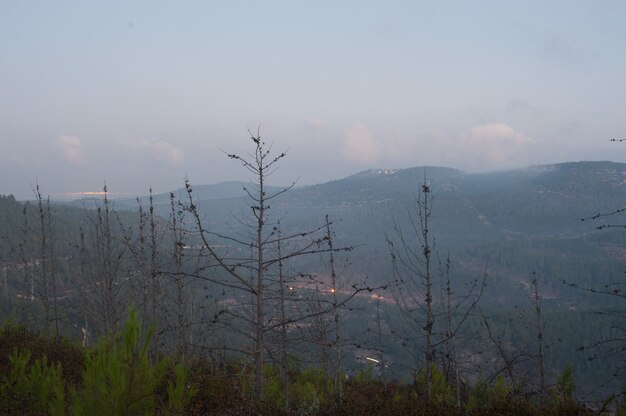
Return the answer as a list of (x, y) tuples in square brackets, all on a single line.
[(38, 261), (249, 259), (156, 275), (380, 342), (52, 255), (283, 295), (412, 264), (414, 288), (511, 359), (26, 260), (250, 273), (450, 343), (43, 259), (102, 283), (540, 346), (335, 308), (457, 310), (178, 277)]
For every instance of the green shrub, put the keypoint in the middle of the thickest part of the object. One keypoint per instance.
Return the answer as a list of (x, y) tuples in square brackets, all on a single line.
[(120, 380), (179, 393), (35, 390), (563, 401), (311, 389), (485, 397), (441, 393), (69, 355)]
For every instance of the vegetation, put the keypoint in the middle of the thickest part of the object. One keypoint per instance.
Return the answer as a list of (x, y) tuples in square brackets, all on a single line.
[(171, 307), (117, 378)]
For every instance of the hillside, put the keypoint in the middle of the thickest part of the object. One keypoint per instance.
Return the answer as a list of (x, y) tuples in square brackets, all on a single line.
[(511, 226), (513, 222)]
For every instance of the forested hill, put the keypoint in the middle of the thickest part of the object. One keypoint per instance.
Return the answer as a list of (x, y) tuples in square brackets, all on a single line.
[(514, 226), (520, 220), (515, 222), (547, 200)]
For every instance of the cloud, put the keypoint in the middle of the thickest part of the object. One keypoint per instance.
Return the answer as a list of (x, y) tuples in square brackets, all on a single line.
[(157, 149), (72, 150), (496, 145), (359, 144)]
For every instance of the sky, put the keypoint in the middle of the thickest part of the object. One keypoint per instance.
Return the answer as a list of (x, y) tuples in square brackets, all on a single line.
[(140, 94)]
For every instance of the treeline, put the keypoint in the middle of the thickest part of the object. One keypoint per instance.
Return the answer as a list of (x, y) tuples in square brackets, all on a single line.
[(264, 315)]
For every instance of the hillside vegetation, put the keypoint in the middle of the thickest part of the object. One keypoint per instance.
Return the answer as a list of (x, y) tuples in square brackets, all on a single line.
[(165, 287)]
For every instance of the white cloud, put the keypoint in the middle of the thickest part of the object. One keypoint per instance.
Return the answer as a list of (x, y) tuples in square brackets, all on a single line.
[(72, 150), (359, 144), (158, 150), (496, 145)]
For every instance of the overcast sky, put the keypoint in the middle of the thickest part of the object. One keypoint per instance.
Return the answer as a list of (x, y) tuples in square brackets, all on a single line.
[(142, 93)]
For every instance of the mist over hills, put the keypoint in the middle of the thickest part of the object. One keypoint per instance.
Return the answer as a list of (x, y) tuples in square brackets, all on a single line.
[(535, 201), (510, 224), (517, 221)]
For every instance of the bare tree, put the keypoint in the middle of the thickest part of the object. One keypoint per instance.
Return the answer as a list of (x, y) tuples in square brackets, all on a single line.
[(52, 255), (412, 264), (250, 273), (450, 344), (102, 283), (512, 359), (283, 294), (380, 341), (179, 278), (539, 326), (414, 290), (145, 250), (26, 260), (249, 261), (335, 305), (458, 308), (38, 257), (43, 259)]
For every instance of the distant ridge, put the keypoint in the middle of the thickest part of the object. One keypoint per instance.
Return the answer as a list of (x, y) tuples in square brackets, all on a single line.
[(445, 177)]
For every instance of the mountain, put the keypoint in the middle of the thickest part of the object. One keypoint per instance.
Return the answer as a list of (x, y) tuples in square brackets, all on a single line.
[(509, 224), (515, 221), (512, 223)]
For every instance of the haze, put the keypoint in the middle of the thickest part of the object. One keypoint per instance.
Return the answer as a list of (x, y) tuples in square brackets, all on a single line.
[(144, 93)]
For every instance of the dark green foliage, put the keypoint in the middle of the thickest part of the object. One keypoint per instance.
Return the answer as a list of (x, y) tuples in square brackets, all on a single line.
[(68, 355), (113, 378), (312, 391), (563, 393), (119, 378), (179, 393), (31, 387)]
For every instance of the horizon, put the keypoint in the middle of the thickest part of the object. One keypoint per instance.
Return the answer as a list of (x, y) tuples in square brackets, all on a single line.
[(73, 196)]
